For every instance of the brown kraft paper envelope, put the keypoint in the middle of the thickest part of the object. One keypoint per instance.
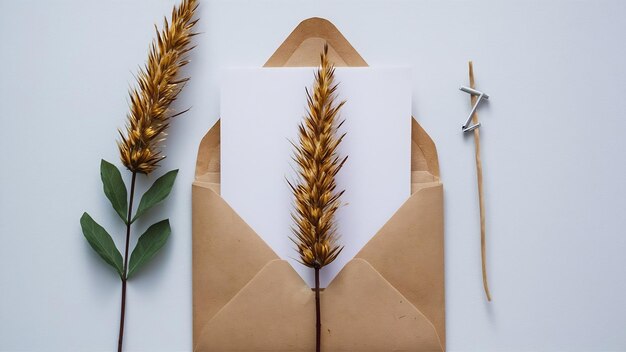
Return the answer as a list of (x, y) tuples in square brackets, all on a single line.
[(390, 297)]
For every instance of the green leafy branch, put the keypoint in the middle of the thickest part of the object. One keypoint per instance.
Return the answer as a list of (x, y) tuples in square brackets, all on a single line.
[(150, 242)]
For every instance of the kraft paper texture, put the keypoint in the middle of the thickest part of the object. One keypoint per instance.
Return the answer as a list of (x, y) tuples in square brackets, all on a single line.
[(390, 297)]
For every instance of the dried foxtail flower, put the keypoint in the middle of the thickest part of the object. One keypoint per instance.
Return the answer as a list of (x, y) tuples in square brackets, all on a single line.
[(316, 197), (158, 85)]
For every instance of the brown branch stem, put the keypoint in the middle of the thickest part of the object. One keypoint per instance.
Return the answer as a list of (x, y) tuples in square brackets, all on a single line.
[(120, 340), (318, 321), (479, 178)]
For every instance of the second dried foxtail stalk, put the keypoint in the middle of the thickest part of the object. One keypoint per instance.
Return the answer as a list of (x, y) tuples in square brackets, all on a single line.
[(158, 86), (315, 193)]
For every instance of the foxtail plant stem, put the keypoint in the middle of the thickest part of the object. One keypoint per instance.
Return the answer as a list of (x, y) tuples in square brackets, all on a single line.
[(125, 270), (318, 322)]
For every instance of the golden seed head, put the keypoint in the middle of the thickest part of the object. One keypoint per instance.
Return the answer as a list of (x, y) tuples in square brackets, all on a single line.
[(157, 87), (315, 194)]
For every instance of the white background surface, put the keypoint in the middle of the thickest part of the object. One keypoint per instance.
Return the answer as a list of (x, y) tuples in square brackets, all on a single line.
[(260, 112), (553, 152)]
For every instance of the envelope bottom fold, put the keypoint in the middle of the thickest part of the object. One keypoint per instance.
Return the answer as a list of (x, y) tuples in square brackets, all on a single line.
[(361, 311)]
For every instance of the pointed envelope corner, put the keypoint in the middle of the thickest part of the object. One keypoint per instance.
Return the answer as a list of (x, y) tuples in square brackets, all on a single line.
[(424, 157), (304, 45), (362, 311), (208, 161), (408, 251), (273, 312), (226, 254)]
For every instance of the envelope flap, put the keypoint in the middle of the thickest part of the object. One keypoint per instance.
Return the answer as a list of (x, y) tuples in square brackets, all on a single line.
[(424, 159), (208, 161), (361, 311), (273, 312), (408, 251), (226, 253), (304, 45)]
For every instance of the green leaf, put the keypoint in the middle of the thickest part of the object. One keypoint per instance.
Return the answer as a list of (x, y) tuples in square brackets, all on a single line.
[(148, 245), (159, 190), (114, 188), (101, 242)]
